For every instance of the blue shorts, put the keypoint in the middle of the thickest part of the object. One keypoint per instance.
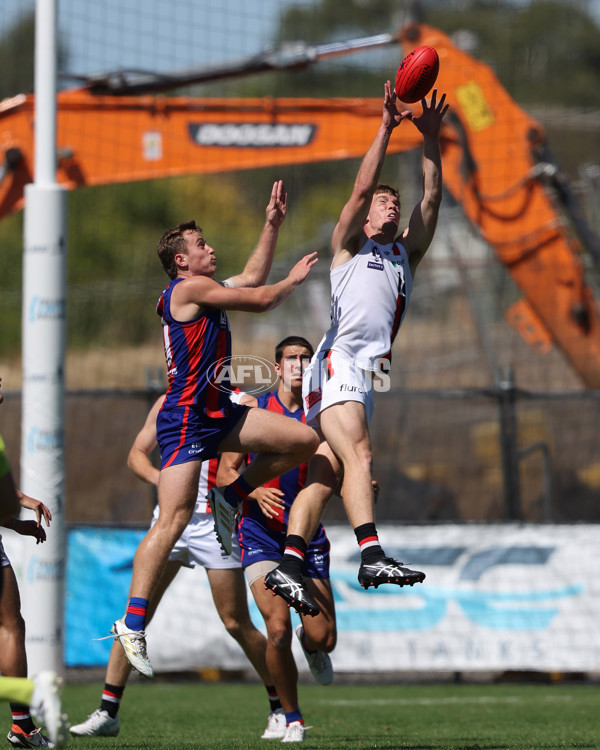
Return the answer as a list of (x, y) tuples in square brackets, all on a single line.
[(259, 545), (185, 433)]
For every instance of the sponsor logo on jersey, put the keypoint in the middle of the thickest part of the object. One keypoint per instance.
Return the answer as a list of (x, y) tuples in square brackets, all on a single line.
[(252, 134), (376, 261), (353, 388), (313, 398), (194, 449), (254, 552)]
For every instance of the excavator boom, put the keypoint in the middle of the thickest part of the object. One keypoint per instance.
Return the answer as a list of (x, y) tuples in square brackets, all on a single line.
[(109, 139), (492, 167), (493, 160)]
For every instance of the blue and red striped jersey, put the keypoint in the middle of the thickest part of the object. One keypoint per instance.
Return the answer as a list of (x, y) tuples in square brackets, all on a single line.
[(195, 352), (289, 483)]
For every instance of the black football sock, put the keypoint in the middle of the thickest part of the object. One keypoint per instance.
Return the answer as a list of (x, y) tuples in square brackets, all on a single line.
[(368, 541)]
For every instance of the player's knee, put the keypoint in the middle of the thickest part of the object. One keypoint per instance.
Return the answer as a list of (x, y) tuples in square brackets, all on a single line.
[(364, 453), (330, 642), (280, 634), (175, 520), (234, 627), (323, 641), (362, 458), (308, 444)]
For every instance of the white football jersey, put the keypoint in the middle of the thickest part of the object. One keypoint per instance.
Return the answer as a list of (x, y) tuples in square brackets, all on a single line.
[(369, 297)]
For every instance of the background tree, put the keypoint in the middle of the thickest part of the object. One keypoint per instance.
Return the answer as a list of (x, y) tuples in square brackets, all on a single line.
[(546, 52), (543, 52), (17, 58)]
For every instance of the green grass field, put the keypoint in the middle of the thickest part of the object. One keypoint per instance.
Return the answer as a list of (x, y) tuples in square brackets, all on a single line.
[(224, 716)]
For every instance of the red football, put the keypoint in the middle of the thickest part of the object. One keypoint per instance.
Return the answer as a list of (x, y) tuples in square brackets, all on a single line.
[(417, 74)]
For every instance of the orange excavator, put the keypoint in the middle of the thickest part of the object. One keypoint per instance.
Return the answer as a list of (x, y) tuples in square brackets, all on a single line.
[(496, 164)]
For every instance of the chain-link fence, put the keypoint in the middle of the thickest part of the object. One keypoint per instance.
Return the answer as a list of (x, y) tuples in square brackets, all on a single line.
[(439, 455)]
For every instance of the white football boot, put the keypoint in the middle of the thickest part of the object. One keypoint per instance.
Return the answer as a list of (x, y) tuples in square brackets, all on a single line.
[(275, 726), (46, 708), (134, 646), (318, 661), (294, 732), (98, 724)]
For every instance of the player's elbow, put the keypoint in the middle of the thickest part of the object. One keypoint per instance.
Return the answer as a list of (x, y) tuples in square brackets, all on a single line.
[(251, 279), (433, 187), (267, 300), (131, 463), (139, 463), (363, 190), (430, 205), (435, 195)]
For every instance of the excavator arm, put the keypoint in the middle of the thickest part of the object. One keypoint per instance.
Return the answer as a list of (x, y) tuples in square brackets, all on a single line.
[(109, 139), (494, 166), (493, 158)]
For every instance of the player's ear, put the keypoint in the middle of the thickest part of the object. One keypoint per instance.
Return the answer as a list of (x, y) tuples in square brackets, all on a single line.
[(181, 260)]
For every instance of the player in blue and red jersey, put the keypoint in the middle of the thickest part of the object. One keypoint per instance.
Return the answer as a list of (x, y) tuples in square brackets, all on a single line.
[(197, 419), (262, 533), (196, 548)]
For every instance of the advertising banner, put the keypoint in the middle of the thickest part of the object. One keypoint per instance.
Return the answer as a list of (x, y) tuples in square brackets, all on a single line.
[(496, 597)]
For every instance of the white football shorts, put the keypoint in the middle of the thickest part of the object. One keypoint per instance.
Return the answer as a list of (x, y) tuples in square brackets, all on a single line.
[(198, 545), (331, 378)]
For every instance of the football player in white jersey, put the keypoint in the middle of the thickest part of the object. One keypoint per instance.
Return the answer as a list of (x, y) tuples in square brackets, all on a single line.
[(371, 279), (197, 546)]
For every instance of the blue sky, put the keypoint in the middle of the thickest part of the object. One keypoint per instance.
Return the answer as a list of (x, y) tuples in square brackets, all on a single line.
[(157, 35), (172, 35), (164, 35)]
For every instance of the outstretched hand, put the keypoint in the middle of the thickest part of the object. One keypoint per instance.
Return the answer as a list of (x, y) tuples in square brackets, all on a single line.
[(391, 117), (430, 120), (269, 499), (303, 267), (40, 510), (277, 207), (30, 528)]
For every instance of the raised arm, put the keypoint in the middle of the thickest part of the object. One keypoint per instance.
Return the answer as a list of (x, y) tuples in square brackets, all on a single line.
[(421, 227), (138, 459), (200, 291), (352, 218), (258, 266)]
